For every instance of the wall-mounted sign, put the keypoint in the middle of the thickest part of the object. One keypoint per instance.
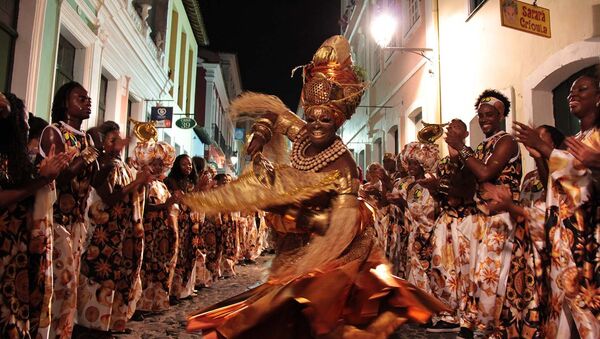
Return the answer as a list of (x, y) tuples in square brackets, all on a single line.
[(185, 123), (239, 134), (525, 17), (162, 115)]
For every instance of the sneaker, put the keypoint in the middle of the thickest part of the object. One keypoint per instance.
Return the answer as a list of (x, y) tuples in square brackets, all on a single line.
[(443, 327), (465, 333), (137, 316)]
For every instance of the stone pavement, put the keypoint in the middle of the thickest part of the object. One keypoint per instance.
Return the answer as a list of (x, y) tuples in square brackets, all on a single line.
[(171, 324)]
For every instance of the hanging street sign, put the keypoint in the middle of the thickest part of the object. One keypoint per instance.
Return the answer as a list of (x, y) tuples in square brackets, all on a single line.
[(185, 123), (162, 115), (525, 17)]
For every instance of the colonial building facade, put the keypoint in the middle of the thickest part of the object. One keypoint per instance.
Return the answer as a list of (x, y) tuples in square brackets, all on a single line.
[(129, 55), (219, 82), (471, 51)]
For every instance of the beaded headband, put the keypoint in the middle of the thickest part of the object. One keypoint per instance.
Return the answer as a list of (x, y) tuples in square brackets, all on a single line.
[(494, 102)]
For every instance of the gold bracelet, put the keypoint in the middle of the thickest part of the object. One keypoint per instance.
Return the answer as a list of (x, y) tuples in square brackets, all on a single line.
[(89, 155), (263, 130), (265, 121)]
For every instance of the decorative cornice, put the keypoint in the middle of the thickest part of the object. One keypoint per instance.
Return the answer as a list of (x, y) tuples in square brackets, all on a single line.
[(195, 16)]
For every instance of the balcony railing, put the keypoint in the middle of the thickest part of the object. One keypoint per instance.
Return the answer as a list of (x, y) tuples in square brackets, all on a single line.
[(220, 140), (139, 21)]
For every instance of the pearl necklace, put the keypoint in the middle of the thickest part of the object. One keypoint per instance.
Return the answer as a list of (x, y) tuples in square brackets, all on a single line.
[(319, 161)]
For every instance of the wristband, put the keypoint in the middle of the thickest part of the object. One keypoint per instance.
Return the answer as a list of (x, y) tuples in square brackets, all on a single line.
[(89, 155), (466, 152)]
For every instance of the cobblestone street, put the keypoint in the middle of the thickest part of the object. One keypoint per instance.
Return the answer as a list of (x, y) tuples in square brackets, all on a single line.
[(172, 324)]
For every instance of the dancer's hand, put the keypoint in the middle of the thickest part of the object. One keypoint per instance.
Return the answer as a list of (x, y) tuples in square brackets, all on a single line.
[(53, 164), (396, 198), (431, 183), (256, 144), (533, 152), (143, 177), (454, 141), (527, 135), (452, 152), (584, 153), (499, 197)]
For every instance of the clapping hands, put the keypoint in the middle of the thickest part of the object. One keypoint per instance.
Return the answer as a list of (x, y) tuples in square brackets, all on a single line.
[(54, 164), (584, 153)]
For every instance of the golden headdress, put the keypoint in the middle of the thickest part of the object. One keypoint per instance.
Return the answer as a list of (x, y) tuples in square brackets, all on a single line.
[(148, 148), (331, 82)]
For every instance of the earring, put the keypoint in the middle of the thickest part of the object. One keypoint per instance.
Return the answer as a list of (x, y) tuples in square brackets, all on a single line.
[(598, 104)]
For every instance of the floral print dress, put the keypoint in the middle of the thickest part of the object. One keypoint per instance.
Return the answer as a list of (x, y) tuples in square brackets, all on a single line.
[(110, 268), (451, 240), (160, 250), (69, 231), (420, 217), (491, 245), (526, 289), (230, 242), (399, 257), (25, 267), (188, 223), (573, 242)]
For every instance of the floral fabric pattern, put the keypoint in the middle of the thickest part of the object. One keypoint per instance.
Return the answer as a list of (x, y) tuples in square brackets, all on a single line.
[(420, 218), (573, 238), (491, 246), (25, 268), (108, 289), (70, 230), (160, 250)]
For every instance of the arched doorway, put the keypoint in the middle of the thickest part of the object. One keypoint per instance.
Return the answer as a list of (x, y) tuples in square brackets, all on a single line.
[(539, 86), (377, 150)]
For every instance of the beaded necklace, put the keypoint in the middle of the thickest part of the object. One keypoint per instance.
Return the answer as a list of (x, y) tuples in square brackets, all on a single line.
[(316, 162)]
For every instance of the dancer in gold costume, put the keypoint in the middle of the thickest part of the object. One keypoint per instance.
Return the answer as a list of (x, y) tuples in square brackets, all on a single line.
[(329, 278)]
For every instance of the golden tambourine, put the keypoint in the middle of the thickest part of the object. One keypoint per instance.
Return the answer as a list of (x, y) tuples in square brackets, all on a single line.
[(430, 132), (145, 130), (263, 185)]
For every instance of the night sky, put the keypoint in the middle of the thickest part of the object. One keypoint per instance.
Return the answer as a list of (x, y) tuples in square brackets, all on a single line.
[(270, 37)]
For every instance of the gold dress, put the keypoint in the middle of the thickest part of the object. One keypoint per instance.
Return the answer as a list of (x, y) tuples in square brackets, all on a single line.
[(338, 285), (330, 277)]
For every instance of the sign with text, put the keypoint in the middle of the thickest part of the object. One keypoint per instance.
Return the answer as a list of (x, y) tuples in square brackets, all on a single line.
[(525, 17), (185, 123), (162, 115)]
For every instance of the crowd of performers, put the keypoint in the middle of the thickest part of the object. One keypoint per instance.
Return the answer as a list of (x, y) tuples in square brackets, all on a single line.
[(89, 242), (512, 258)]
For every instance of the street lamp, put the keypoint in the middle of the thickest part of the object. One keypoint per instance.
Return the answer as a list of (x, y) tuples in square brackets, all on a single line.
[(383, 28)]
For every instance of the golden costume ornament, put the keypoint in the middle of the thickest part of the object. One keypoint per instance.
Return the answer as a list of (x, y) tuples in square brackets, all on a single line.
[(333, 280)]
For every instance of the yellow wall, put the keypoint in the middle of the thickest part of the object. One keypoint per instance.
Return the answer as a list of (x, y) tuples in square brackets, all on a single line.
[(183, 51)]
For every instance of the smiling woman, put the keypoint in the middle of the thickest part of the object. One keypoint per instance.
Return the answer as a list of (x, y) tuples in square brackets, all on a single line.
[(320, 287)]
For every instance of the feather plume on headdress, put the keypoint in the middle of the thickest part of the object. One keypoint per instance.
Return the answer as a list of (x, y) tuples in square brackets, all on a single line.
[(250, 106)]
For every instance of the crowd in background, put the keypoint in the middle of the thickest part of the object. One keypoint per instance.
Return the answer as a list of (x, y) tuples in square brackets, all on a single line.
[(512, 258), (89, 241)]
